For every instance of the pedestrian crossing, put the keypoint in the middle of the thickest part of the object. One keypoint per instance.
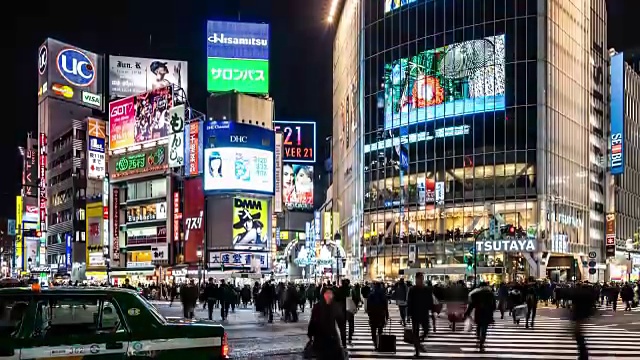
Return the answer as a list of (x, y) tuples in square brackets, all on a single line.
[(551, 338)]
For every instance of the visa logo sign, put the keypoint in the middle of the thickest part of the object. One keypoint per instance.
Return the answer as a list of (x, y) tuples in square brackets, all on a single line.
[(76, 67), (96, 144)]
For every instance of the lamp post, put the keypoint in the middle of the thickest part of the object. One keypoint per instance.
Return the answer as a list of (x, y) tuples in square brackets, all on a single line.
[(107, 263), (199, 253)]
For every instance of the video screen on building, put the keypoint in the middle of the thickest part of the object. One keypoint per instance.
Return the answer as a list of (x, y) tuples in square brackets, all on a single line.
[(297, 187), (455, 80), (390, 5)]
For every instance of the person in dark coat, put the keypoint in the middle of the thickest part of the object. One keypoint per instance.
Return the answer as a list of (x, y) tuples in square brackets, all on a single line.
[(210, 297), (419, 303), (583, 299), (378, 311), (189, 298), (483, 302), (322, 330)]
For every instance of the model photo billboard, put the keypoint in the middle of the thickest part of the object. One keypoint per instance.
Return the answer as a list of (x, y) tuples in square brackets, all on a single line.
[(139, 119), (297, 186), (70, 73), (134, 75)]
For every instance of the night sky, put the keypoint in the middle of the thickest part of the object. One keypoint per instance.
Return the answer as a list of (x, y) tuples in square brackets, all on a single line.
[(301, 46)]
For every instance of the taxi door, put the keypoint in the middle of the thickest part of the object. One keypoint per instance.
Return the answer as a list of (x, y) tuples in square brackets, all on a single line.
[(77, 327), (15, 316)]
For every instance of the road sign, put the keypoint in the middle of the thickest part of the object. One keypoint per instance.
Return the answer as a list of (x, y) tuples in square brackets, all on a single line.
[(592, 271), (592, 255)]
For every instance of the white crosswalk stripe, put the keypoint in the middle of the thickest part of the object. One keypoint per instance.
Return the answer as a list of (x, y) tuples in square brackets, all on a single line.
[(619, 306), (551, 338)]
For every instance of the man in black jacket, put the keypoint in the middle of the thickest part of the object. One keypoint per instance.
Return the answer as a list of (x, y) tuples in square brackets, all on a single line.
[(419, 303), (582, 299), (484, 304), (210, 296)]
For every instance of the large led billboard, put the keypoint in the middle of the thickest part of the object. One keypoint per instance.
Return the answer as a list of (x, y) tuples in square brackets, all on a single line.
[(455, 80), (139, 119), (298, 140), (193, 218), (69, 73), (133, 75), (390, 5), (297, 187), (237, 40), (238, 158), (237, 57), (617, 114), (246, 76), (250, 223)]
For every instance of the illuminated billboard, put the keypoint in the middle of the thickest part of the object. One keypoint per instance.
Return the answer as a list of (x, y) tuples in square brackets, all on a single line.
[(193, 136), (298, 140), (193, 219), (139, 119), (97, 148), (390, 5), (455, 80), (297, 187), (241, 75), (133, 75), (139, 163), (250, 224), (69, 73), (237, 57), (617, 144), (238, 158)]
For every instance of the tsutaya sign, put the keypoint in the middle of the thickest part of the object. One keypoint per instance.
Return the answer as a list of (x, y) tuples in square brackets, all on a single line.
[(518, 245)]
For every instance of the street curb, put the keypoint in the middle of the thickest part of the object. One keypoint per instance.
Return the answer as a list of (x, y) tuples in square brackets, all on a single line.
[(265, 354)]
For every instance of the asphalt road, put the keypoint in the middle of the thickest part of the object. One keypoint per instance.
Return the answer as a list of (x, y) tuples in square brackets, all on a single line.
[(251, 336), (624, 320)]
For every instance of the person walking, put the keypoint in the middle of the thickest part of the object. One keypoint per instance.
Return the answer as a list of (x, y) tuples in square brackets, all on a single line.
[(419, 303), (400, 296), (482, 303), (378, 311), (323, 336), (209, 296)]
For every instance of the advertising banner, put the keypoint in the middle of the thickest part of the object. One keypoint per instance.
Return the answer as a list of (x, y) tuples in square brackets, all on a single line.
[(30, 171), (140, 163), (237, 259), (160, 253), (277, 203), (299, 140), (42, 164), (237, 40), (390, 5), (133, 75), (97, 148), (610, 235), (18, 252), (115, 243), (521, 245), (139, 119), (617, 114), (69, 73), (149, 212), (193, 133), (250, 221), (193, 218), (95, 248), (241, 75), (297, 187), (177, 215), (176, 139), (238, 158), (426, 87), (31, 251)]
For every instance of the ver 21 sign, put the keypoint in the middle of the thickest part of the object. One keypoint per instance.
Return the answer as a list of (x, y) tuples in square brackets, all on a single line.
[(518, 245)]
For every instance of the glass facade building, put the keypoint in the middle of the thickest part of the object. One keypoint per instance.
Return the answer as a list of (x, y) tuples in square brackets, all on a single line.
[(478, 120)]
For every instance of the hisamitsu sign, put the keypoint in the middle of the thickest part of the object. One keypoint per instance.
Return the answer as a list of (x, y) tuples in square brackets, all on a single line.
[(517, 245)]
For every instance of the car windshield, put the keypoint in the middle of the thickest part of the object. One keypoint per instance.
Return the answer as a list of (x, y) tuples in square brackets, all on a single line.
[(152, 309)]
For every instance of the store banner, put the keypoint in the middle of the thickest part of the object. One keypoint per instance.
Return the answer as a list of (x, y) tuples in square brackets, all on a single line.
[(193, 135), (193, 216), (237, 259), (115, 244), (176, 139), (277, 203), (160, 253), (151, 160), (250, 221), (610, 235)]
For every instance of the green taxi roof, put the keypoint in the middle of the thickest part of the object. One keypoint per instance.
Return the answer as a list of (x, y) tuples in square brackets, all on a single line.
[(65, 290)]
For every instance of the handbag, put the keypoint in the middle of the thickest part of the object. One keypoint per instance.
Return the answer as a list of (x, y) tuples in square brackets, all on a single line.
[(408, 336), (468, 325), (387, 342), (351, 305)]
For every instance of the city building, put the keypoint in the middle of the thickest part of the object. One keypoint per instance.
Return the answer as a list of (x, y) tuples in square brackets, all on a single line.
[(470, 138), (69, 91), (623, 218)]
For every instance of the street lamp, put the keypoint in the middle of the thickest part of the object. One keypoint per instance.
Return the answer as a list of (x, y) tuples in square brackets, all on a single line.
[(199, 253)]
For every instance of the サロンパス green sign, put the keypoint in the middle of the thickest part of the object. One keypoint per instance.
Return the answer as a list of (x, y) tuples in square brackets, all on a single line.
[(242, 75)]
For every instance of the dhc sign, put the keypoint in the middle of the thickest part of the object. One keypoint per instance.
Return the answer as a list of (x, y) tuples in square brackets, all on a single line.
[(517, 245)]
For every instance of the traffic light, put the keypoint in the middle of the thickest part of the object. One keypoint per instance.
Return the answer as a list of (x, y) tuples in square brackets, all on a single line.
[(468, 259)]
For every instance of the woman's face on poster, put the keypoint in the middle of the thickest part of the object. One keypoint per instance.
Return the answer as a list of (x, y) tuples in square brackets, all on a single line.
[(303, 180), (287, 178)]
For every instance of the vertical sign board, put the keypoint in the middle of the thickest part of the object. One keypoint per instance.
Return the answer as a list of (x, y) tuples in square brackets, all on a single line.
[(177, 215), (193, 136), (18, 253), (193, 218), (176, 139), (278, 172), (115, 245), (105, 206), (43, 181), (610, 234), (617, 114), (96, 152)]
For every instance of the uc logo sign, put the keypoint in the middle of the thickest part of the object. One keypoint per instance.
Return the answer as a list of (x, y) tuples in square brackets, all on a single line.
[(76, 67)]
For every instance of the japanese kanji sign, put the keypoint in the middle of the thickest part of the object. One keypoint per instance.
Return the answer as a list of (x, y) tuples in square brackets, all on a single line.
[(237, 259), (242, 75)]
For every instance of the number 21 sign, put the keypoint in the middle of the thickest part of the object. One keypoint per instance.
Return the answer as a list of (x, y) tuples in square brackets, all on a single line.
[(298, 140)]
